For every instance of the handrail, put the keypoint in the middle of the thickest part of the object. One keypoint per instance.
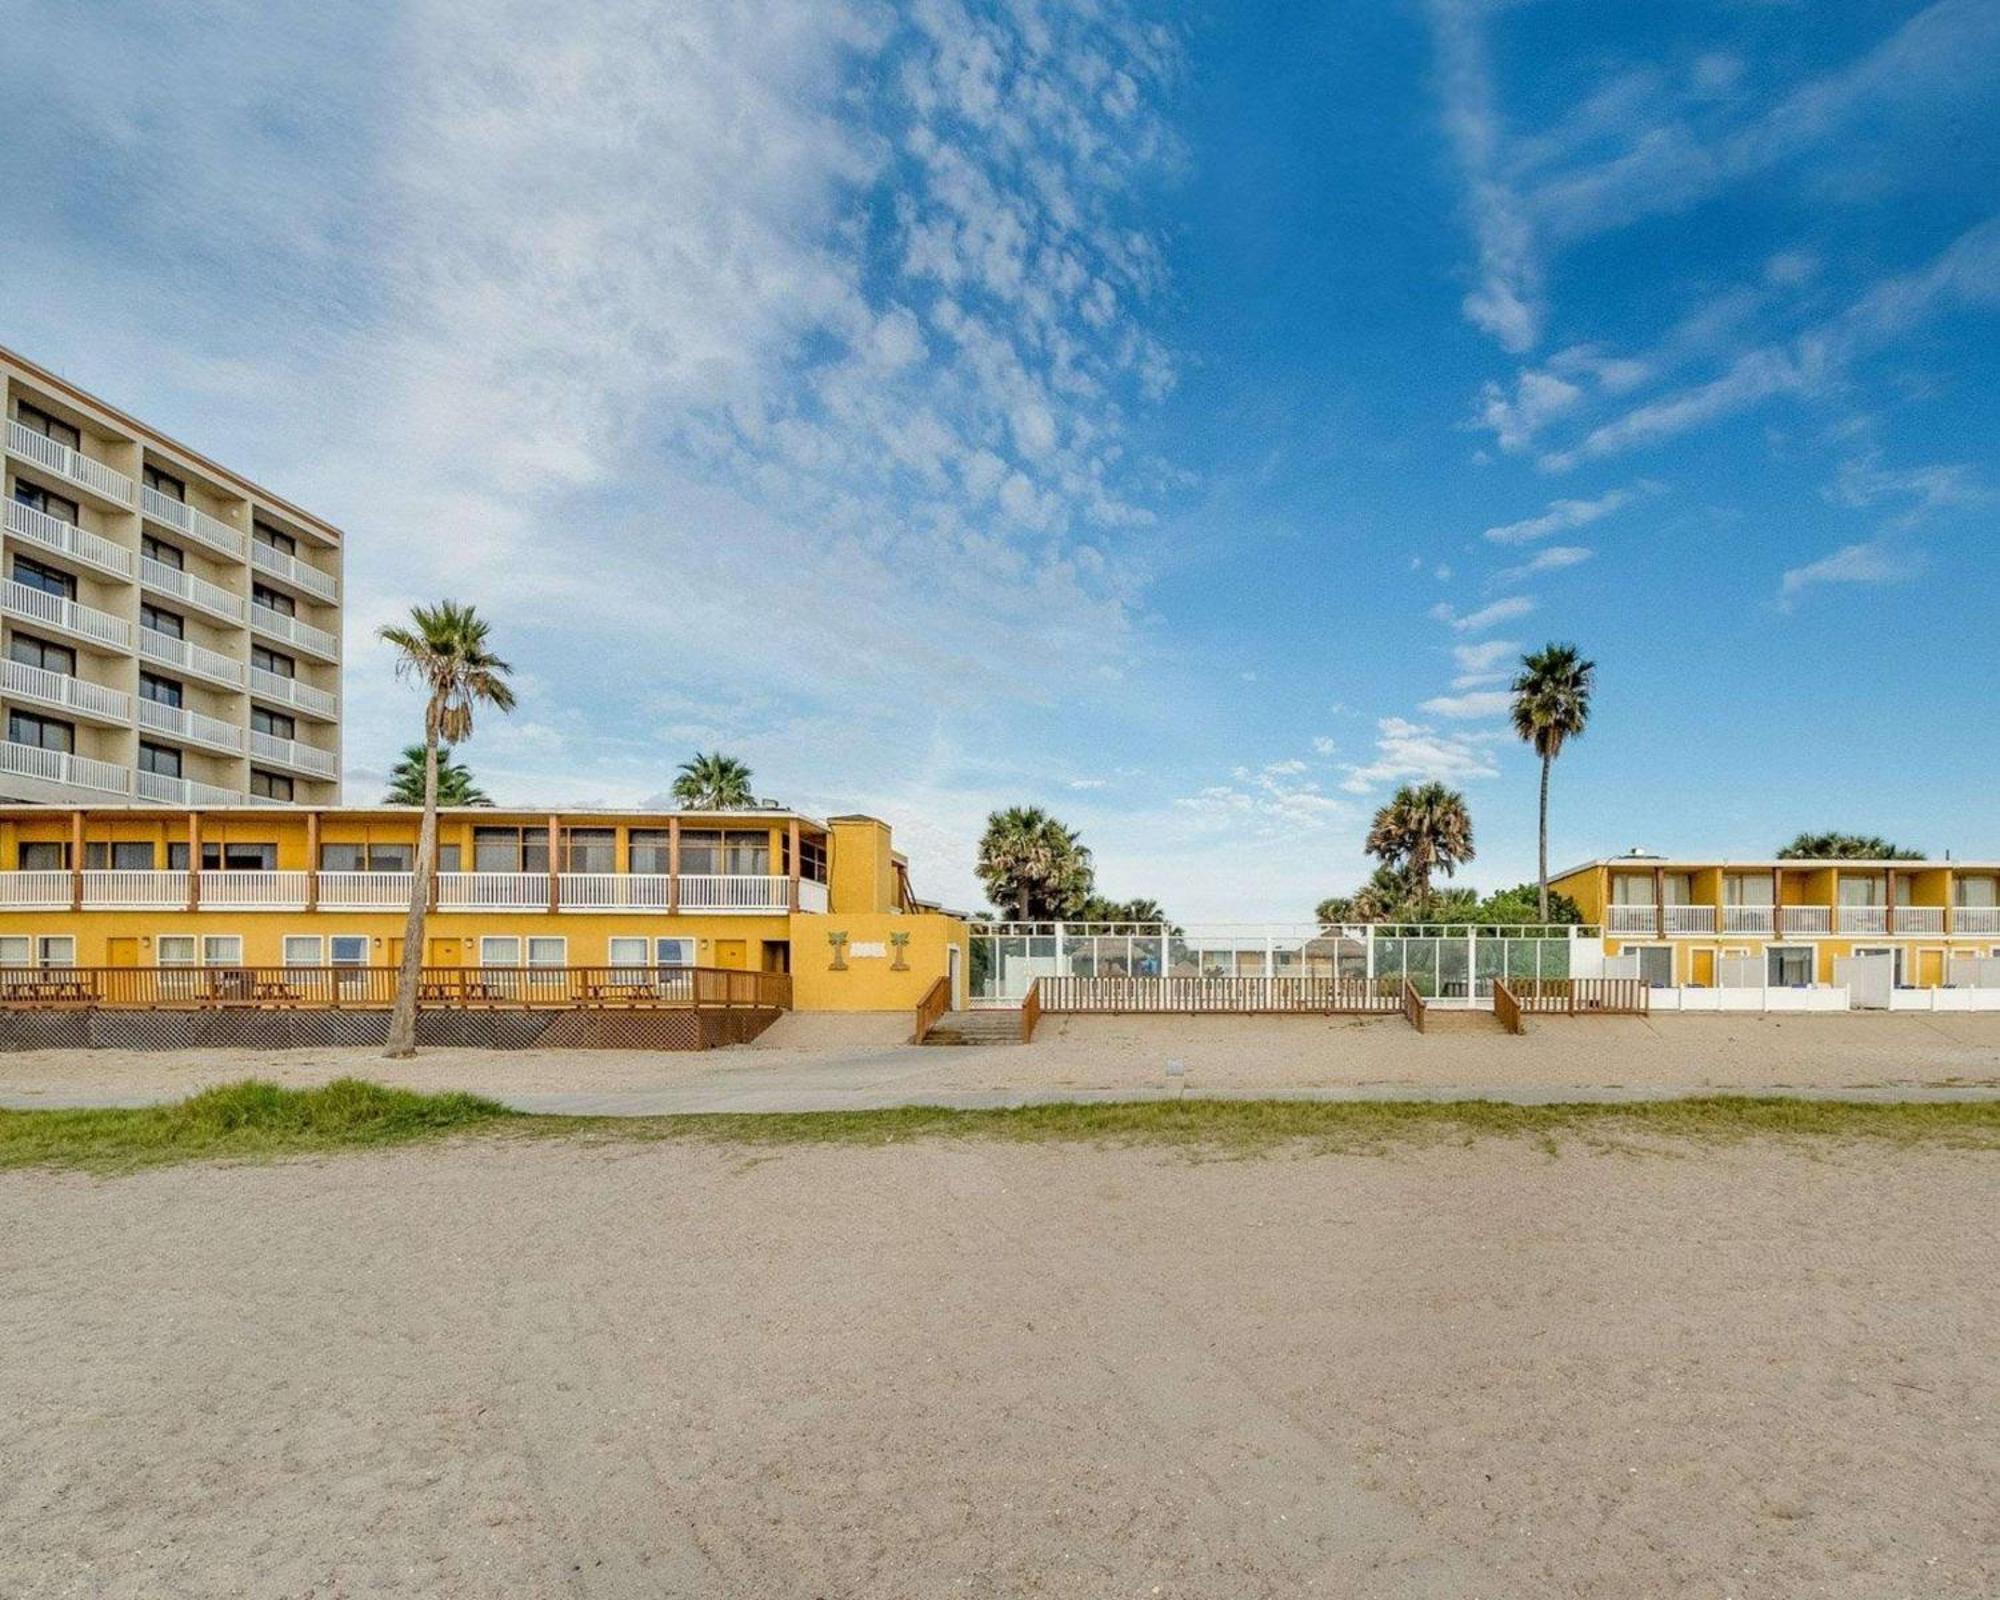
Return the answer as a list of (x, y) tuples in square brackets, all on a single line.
[(1413, 1005), (1031, 1011), (935, 1003), (1507, 1008)]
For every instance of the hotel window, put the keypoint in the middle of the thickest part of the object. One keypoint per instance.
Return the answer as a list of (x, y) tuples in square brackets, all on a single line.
[(505, 951), (365, 857), (159, 759), (271, 600), (270, 785), (120, 855), (40, 654), (165, 483), (1630, 889), (1789, 966), (239, 857), (271, 539), (167, 555), (274, 723), (275, 662), (50, 950), (590, 850), (43, 733), (510, 849), (648, 850), (161, 691), (36, 420), (709, 850), (43, 856), (812, 857), (33, 575), (1861, 891), (16, 950), (160, 620), (1741, 889), (222, 950), (1978, 893), (1677, 889), (50, 505), (342, 950), (1656, 965), (174, 950)]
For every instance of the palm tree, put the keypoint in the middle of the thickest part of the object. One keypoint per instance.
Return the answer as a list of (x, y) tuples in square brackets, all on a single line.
[(1424, 828), (1551, 707), (713, 782), (1846, 847), (455, 785), (443, 649), (1032, 863)]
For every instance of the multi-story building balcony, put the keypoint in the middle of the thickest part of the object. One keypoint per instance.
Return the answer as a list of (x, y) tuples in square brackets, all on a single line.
[(300, 575), (196, 660), (1749, 919), (293, 695), (70, 464), (98, 630), (59, 691), (191, 727), (63, 767), (301, 636), (174, 791), (199, 593), (1975, 919), (291, 753), (185, 520), (68, 541)]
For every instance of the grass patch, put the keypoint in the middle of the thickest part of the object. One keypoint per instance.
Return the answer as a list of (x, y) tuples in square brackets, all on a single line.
[(252, 1119), (256, 1120)]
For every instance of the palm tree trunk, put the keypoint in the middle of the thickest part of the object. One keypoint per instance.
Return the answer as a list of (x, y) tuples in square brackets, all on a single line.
[(403, 1019), (1547, 762)]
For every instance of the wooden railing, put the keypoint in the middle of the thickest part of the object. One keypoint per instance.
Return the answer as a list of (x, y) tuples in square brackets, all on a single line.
[(1631, 997), (1031, 1011), (1413, 1005), (1507, 1008), (374, 988), (1237, 996), (935, 1003)]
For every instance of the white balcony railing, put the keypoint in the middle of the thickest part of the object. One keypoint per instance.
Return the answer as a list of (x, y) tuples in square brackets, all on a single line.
[(252, 891), (303, 757), (59, 689), (37, 890), (1919, 919), (314, 641), (494, 891), (188, 657), (1975, 919), (123, 890), (290, 692), (735, 892), (812, 896), (67, 539), (1631, 919), (199, 525), (1806, 919), (64, 462), (615, 891), (290, 569), (181, 791), (1864, 919), (1749, 919), (192, 726), (58, 766), (366, 891), (197, 592), (1690, 919), (52, 611)]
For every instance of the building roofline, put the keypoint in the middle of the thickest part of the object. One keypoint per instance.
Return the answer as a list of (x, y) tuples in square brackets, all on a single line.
[(253, 808), (77, 392), (1766, 863)]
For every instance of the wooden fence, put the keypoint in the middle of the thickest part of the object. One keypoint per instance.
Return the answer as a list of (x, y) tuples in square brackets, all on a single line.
[(1629, 997), (1507, 1008), (935, 1003), (1229, 996), (1031, 1012), (1413, 1005), (374, 988)]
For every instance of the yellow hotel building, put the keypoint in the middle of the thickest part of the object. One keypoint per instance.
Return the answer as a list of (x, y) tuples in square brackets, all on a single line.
[(1688, 919), (766, 890)]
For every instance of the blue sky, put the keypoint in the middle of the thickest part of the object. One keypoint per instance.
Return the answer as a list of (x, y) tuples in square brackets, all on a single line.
[(1180, 419)]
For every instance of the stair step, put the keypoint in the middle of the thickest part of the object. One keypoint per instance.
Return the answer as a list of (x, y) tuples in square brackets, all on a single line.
[(976, 1028)]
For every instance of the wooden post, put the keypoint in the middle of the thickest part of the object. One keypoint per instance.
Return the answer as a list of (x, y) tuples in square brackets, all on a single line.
[(194, 861), (792, 840), (673, 865), (76, 861), (1950, 905), (1659, 902), (1777, 902), (1889, 904), (312, 861), (555, 862)]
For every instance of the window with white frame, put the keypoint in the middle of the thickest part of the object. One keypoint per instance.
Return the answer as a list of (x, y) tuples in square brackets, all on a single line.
[(15, 949), (302, 949), (222, 950), (499, 950), (635, 951), (174, 950), (1789, 966), (347, 950), (57, 950), (548, 952)]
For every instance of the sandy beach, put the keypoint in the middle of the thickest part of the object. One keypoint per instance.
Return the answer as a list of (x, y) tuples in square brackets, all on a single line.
[(524, 1369)]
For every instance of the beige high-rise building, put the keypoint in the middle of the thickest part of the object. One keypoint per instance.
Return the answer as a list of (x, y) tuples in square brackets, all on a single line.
[(171, 631)]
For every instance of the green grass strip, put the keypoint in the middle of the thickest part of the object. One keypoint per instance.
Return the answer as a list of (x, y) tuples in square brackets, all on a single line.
[(255, 1120)]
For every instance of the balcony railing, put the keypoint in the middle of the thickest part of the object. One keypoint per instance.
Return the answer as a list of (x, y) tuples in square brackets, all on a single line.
[(67, 539), (615, 891), (181, 791), (52, 611), (314, 641), (1864, 919), (1632, 919), (493, 891), (45, 891), (735, 892), (58, 766), (64, 462), (365, 891), (119, 890), (197, 659), (1690, 919), (197, 592), (290, 692), (290, 753), (254, 891), (290, 569), (61, 690), (1975, 919), (1806, 919), (1749, 919), (197, 525), (191, 726)]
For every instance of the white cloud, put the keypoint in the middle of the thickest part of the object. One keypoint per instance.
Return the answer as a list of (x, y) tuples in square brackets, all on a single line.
[(1539, 397), (1484, 656), (1872, 562), (1489, 703), (1409, 752), (1486, 616), (1863, 482), (1323, 746), (1563, 515), (1555, 558)]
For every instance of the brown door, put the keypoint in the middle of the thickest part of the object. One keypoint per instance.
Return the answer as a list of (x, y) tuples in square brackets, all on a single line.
[(777, 955), (732, 953)]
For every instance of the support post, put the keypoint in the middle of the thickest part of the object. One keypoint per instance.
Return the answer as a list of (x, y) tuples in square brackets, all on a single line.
[(1889, 904), (194, 861), (76, 861), (792, 842), (312, 861), (673, 865), (555, 862), (1659, 902)]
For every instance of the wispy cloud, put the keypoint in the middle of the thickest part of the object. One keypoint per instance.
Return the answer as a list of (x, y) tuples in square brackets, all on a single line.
[(1863, 482), (1871, 562), (1486, 703), (1563, 515), (1486, 616), (1408, 752), (1555, 558)]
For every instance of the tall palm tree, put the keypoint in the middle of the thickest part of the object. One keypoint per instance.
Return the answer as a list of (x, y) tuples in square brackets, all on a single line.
[(1551, 707), (1424, 828), (713, 782), (455, 783), (443, 649), (1034, 865)]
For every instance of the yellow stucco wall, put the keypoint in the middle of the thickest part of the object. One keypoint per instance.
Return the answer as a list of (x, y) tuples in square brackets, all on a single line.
[(870, 981)]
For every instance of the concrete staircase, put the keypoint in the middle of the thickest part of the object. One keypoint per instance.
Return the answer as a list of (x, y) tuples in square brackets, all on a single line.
[(1439, 1019), (976, 1027)]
